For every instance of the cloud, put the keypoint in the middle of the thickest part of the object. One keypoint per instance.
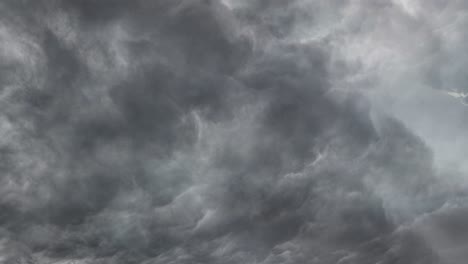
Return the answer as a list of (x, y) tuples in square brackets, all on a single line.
[(227, 132)]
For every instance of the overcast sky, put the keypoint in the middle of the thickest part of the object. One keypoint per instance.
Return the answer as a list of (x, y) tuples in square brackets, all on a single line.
[(233, 131)]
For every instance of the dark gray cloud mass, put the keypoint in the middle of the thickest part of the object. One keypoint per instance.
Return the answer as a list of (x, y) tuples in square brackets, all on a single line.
[(261, 131)]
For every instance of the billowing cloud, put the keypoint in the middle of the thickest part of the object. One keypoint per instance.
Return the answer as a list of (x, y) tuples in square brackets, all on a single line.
[(231, 131)]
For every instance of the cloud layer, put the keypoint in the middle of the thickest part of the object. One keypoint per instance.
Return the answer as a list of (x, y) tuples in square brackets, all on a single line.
[(232, 131)]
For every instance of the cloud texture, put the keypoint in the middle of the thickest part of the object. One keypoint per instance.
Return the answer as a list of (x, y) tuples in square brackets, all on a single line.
[(234, 131)]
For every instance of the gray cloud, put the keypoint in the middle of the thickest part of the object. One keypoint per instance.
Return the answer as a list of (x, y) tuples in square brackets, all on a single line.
[(228, 132)]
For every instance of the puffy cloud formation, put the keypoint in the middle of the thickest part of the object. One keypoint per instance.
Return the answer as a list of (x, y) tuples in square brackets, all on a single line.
[(233, 131)]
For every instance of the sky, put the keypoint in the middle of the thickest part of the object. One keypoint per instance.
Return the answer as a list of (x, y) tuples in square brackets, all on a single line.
[(233, 131)]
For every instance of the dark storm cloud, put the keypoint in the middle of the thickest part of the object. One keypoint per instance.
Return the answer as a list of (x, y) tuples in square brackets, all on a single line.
[(209, 132)]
